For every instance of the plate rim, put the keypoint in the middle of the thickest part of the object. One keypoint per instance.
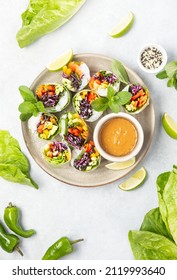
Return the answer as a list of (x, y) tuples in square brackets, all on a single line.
[(23, 125)]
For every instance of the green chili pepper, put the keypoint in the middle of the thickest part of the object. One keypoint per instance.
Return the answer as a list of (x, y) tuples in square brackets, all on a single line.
[(9, 242), (11, 218), (60, 248)]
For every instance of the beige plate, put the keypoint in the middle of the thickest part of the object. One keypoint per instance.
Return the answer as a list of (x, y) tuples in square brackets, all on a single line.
[(101, 175)]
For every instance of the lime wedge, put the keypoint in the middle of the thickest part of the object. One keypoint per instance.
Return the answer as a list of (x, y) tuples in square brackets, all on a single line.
[(169, 125), (123, 26), (135, 181), (60, 61), (120, 165)]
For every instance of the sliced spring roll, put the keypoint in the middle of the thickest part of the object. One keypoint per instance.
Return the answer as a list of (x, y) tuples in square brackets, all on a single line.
[(139, 100), (57, 153), (100, 81), (46, 126), (73, 129), (55, 97), (76, 75), (88, 159), (82, 103)]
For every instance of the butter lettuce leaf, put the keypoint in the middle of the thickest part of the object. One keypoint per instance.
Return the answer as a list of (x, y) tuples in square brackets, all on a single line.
[(153, 222), (151, 246), (167, 194), (44, 16), (14, 165)]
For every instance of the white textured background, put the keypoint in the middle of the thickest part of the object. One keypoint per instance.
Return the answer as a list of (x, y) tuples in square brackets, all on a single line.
[(104, 215)]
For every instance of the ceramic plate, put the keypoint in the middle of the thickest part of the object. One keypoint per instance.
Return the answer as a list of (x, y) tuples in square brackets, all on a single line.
[(101, 175)]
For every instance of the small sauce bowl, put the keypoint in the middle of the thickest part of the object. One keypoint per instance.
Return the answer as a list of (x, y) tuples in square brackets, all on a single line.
[(118, 137), (152, 58)]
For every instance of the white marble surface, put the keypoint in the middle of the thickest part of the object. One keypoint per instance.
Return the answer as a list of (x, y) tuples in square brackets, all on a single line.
[(104, 215)]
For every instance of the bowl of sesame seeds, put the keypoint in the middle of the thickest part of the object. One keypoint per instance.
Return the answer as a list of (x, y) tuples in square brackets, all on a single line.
[(152, 58)]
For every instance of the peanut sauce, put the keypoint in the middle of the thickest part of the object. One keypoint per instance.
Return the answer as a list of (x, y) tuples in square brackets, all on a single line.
[(118, 136)]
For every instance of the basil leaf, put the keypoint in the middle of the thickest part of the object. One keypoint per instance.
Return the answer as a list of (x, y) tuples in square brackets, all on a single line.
[(100, 104), (171, 68), (110, 92), (26, 107), (114, 106), (27, 94), (124, 97), (162, 75), (120, 71)]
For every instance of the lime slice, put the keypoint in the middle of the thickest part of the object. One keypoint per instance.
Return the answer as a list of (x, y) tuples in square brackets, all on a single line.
[(123, 26), (169, 125), (120, 165), (60, 61), (135, 181)]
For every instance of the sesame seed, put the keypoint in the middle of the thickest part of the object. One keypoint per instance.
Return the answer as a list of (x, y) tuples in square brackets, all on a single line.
[(151, 58)]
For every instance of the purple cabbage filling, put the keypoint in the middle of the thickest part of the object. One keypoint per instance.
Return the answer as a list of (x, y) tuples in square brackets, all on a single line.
[(83, 162), (106, 77), (85, 109), (44, 118), (75, 80), (49, 100), (59, 146), (135, 88), (74, 141)]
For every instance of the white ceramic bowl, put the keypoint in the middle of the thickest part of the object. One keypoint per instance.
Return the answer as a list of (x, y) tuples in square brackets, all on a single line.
[(138, 146), (164, 58)]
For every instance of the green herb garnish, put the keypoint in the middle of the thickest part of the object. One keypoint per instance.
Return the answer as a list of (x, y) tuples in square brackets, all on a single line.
[(169, 73), (114, 100), (30, 106)]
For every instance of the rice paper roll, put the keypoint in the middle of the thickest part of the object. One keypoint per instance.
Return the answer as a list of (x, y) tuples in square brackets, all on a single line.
[(57, 153), (45, 125), (101, 80), (55, 97), (88, 159), (82, 103), (73, 129), (76, 75), (140, 98)]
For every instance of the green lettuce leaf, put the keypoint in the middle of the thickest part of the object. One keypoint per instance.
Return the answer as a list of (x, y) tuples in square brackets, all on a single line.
[(151, 246), (153, 222), (44, 16), (14, 165), (167, 194)]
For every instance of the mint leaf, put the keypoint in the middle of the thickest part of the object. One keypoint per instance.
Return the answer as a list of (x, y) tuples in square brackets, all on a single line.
[(110, 92), (27, 94), (100, 104), (24, 117), (124, 97), (120, 71), (171, 82), (162, 75), (26, 107), (171, 68), (114, 106), (40, 106)]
